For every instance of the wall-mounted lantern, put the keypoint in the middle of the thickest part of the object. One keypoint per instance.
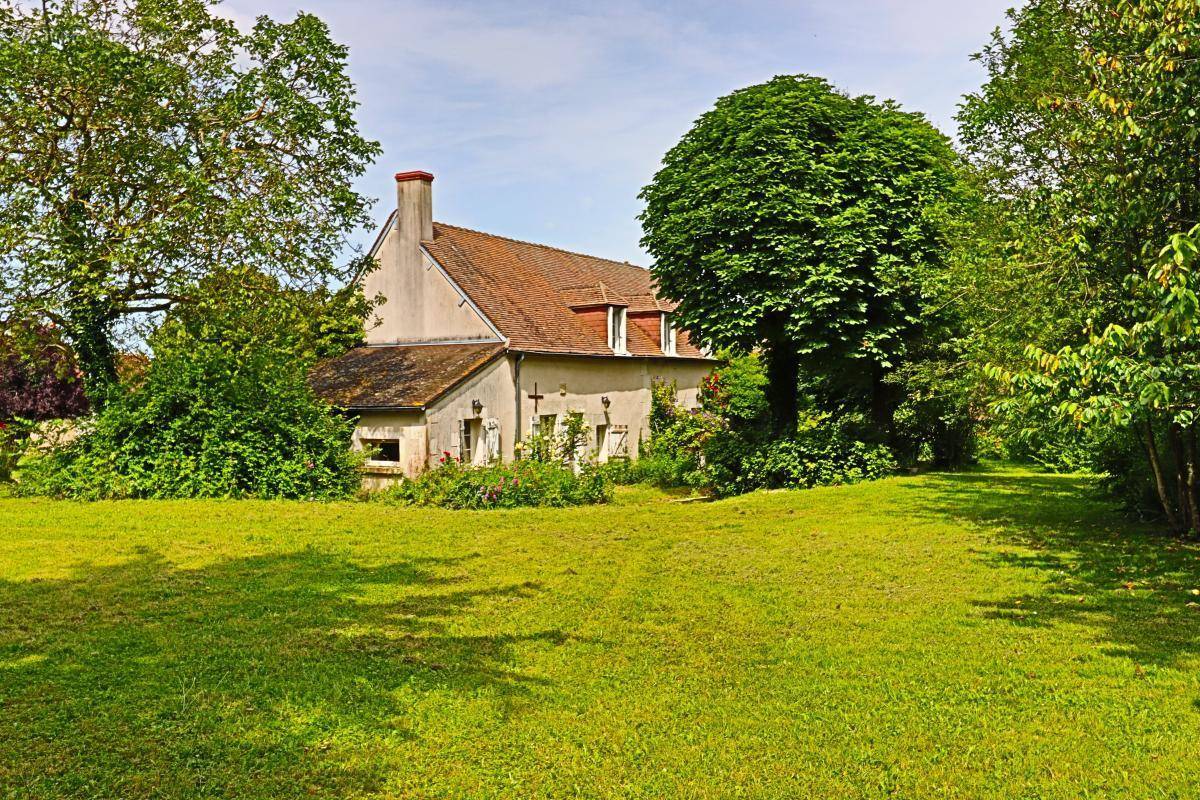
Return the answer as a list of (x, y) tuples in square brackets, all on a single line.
[(476, 407), (604, 401)]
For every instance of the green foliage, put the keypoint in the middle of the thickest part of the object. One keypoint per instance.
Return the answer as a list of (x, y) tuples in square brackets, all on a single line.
[(729, 448), (1088, 157), (821, 214), (825, 451), (936, 423), (1141, 376), (224, 409), (564, 444), (673, 456), (148, 144), (522, 483)]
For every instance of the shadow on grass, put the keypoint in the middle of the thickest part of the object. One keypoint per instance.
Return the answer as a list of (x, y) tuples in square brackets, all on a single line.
[(268, 676), (1130, 583)]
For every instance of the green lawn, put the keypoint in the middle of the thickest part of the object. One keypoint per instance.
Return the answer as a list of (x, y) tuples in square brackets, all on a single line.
[(994, 634)]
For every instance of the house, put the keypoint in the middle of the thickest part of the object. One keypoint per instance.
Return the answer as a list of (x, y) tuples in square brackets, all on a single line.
[(483, 340)]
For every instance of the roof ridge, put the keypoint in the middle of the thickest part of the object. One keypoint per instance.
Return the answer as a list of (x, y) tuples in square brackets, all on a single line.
[(612, 261)]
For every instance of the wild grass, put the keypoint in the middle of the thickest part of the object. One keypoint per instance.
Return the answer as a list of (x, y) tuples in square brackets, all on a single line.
[(997, 634)]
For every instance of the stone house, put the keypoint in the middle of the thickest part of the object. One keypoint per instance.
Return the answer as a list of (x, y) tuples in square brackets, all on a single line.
[(483, 340)]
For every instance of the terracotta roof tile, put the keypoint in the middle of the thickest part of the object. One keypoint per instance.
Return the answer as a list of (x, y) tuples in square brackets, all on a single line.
[(534, 293), (399, 376)]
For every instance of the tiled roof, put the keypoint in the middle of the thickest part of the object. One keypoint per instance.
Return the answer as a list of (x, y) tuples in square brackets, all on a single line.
[(533, 292), (399, 376)]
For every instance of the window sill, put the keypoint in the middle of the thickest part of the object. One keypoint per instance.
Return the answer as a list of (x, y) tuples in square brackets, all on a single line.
[(383, 468)]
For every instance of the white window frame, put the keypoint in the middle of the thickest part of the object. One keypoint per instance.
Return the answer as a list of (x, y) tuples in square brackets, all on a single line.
[(370, 445), (668, 336), (466, 445), (618, 330)]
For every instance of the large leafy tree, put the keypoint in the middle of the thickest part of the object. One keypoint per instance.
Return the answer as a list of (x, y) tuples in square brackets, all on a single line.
[(1021, 278), (801, 222), (1086, 152), (146, 143), (1123, 106)]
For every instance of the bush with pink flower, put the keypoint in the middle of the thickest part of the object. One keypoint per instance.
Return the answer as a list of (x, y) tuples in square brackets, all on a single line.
[(519, 484)]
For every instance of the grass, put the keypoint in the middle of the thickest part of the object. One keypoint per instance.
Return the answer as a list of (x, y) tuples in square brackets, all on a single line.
[(997, 634)]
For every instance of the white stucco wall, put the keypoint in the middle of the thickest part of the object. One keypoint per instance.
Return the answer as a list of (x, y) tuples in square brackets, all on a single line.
[(421, 303), (407, 427), (569, 384)]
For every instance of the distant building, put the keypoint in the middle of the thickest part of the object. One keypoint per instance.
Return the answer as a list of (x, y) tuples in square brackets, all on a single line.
[(485, 339)]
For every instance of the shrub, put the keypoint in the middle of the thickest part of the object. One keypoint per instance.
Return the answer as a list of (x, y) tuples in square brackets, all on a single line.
[(204, 424), (674, 454), (518, 484), (654, 470), (740, 454), (823, 452), (39, 380), (223, 410)]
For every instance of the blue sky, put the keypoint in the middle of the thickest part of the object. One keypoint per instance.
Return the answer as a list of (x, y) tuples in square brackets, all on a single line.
[(542, 120)]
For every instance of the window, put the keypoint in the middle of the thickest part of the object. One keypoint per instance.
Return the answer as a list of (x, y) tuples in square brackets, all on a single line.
[(668, 335), (547, 423), (464, 442), (387, 450), (616, 329)]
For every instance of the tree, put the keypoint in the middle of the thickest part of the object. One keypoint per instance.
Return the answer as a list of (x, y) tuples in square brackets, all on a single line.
[(1141, 375), (1121, 108), (39, 379), (147, 143), (797, 220), (1087, 163)]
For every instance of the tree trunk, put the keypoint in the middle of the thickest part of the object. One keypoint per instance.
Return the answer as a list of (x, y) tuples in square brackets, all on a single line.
[(881, 406), (783, 382), (1193, 481), (89, 328), (1175, 442), (1160, 483)]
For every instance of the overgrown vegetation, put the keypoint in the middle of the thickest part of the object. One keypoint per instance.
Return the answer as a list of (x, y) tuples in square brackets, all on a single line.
[(1085, 145), (223, 409), (729, 445), (520, 484)]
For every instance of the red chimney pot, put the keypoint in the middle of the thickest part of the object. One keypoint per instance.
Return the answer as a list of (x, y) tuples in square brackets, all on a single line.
[(415, 175)]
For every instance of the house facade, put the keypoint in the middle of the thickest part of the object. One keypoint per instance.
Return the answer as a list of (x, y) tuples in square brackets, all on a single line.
[(483, 340)]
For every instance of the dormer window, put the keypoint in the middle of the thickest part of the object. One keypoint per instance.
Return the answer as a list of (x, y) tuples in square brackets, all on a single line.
[(616, 330), (668, 335)]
